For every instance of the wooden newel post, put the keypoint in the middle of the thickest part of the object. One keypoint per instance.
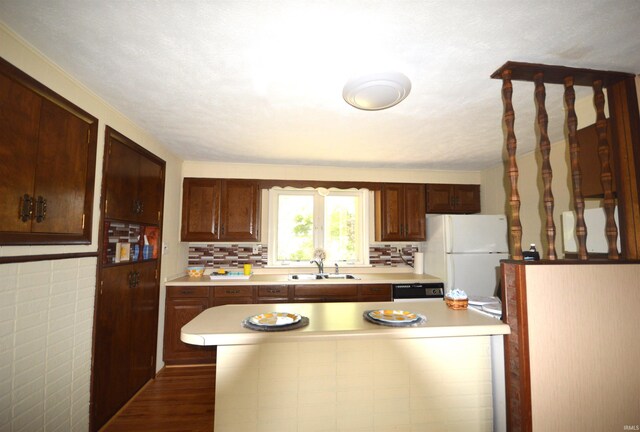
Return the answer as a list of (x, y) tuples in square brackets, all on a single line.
[(606, 179), (547, 173), (576, 175), (514, 199)]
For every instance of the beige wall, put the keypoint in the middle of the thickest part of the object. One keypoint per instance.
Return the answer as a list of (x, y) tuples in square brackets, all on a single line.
[(583, 346), (495, 187), (304, 172), (27, 395)]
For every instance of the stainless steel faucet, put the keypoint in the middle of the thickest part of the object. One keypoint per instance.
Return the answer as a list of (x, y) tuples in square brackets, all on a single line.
[(320, 265)]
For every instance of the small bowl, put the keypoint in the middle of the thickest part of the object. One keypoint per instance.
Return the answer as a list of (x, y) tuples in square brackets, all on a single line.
[(195, 271)]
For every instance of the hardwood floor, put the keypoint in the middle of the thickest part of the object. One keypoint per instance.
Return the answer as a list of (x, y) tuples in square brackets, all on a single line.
[(179, 399)]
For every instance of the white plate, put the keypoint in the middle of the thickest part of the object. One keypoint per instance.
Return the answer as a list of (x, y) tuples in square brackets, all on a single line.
[(393, 316), (274, 319)]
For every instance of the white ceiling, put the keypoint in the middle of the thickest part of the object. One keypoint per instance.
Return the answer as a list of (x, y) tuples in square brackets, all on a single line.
[(261, 81)]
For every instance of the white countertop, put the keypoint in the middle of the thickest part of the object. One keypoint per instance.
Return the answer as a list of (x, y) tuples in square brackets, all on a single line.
[(222, 325), (283, 279)]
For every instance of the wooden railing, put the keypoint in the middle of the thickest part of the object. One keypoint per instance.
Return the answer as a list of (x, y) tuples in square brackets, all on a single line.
[(623, 111)]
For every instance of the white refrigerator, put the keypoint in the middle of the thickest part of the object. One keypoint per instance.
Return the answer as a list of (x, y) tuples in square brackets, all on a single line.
[(465, 251)]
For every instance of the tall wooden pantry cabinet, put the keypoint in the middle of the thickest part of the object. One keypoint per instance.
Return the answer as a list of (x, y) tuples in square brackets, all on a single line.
[(126, 317)]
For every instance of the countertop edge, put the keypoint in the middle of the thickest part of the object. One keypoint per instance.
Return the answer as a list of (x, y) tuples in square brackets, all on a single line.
[(282, 279)]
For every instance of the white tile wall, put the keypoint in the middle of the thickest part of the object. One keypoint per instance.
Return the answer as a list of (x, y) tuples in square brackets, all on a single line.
[(356, 385), (46, 319)]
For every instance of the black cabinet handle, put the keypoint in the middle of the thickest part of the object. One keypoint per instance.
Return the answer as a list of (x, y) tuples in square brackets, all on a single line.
[(232, 291), (134, 279), (41, 209), (138, 206), (26, 208)]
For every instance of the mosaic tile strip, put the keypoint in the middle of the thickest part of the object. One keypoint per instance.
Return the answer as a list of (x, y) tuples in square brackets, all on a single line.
[(227, 256), (235, 256), (391, 256), (119, 232)]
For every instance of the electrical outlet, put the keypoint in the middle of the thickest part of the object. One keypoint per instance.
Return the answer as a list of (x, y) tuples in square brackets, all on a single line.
[(256, 249)]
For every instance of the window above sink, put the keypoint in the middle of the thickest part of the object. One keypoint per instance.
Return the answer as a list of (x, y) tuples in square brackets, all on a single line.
[(302, 220)]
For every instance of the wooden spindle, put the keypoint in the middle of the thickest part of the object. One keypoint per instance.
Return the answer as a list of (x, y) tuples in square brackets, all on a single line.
[(576, 175), (547, 173), (514, 199), (606, 179)]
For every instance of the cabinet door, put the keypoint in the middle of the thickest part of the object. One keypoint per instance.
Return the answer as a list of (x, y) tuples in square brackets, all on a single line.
[(62, 171), (111, 343), (467, 198), (179, 311), (47, 169), (239, 219), (150, 190), (121, 177), (589, 159), (200, 209), (414, 212), (19, 120), (439, 198), (144, 325), (390, 213)]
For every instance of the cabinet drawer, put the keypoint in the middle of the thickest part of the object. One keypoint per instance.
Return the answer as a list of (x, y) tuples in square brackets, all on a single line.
[(221, 301), (188, 291), (281, 291), (378, 290), (233, 291), (325, 290)]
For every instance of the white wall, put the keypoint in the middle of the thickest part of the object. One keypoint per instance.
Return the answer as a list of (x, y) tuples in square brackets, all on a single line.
[(21, 307)]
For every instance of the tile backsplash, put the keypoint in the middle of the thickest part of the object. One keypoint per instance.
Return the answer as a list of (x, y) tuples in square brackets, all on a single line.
[(235, 256)]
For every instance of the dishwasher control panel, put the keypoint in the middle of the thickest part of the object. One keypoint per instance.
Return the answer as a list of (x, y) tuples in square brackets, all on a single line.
[(433, 290)]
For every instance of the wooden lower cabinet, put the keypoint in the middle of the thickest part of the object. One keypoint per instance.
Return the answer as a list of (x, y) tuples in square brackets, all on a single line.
[(182, 305), (185, 303), (376, 293), (125, 336)]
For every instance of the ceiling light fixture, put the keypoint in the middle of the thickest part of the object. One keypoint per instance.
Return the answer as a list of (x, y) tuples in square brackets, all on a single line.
[(376, 91)]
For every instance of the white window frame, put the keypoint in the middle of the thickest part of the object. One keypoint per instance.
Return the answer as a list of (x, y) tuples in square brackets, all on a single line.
[(318, 224)]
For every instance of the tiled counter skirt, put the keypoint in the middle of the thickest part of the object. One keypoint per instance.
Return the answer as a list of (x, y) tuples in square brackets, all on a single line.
[(356, 385)]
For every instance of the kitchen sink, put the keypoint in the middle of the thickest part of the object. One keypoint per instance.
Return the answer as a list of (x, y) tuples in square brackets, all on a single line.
[(321, 276)]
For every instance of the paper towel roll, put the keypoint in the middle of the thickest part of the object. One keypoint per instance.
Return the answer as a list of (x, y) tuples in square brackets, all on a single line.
[(418, 263)]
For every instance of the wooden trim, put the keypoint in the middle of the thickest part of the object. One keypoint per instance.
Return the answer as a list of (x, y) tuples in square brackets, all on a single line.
[(267, 184), (625, 132), (46, 257), (516, 350), (556, 74)]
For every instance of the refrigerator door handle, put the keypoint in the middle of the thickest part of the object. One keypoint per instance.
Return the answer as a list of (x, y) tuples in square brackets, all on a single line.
[(450, 274), (448, 233)]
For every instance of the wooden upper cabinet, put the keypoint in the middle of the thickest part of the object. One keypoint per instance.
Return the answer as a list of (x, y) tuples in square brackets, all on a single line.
[(134, 181), (453, 198), (239, 217), (590, 161), (400, 212), (220, 210), (200, 209), (48, 154)]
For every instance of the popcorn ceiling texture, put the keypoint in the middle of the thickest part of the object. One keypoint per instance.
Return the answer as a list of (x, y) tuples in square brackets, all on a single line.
[(235, 256), (261, 82)]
